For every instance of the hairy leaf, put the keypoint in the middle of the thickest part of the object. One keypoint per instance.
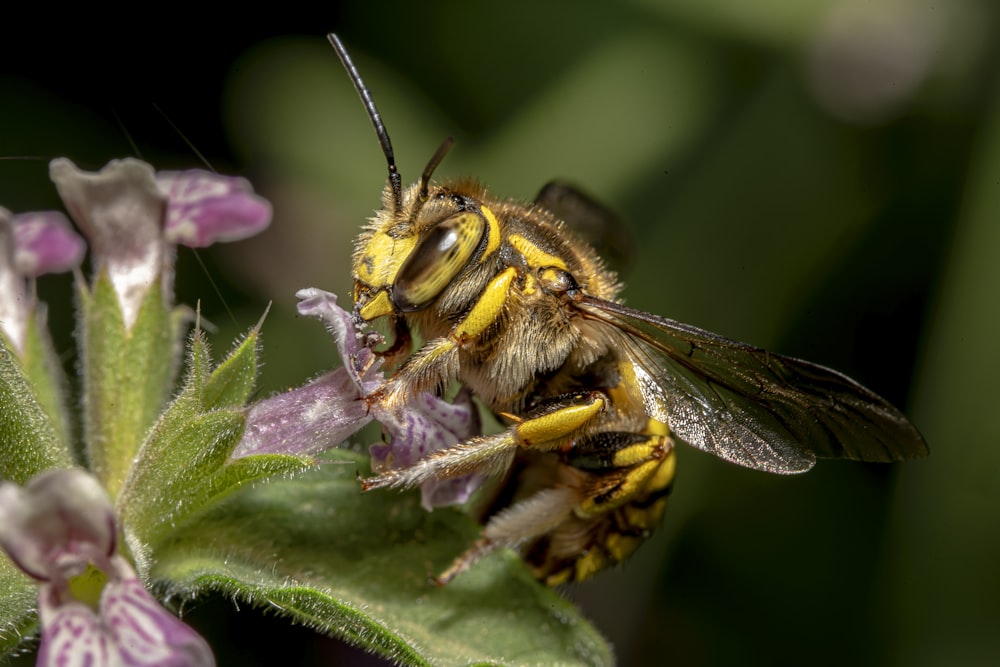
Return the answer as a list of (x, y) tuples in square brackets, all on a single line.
[(359, 566)]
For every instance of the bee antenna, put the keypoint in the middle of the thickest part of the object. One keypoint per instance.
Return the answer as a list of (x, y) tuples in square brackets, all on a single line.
[(425, 178), (383, 137)]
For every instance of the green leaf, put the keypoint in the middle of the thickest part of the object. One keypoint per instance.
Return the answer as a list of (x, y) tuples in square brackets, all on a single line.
[(235, 474), (128, 376), (162, 493), (358, 567), (29, 440), (199, 363), (184, 450), (17, 606), (41, 366), (183, 467), (233, 380)]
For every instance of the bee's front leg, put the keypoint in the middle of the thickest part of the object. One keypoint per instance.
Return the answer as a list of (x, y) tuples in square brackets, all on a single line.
[(437, 363)]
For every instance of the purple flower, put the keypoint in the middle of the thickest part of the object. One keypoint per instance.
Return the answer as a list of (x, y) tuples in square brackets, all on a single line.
[(326, 411), (31, 244), (60, 529), (203, 208), (426, 425), (133, 219), (45, 242)]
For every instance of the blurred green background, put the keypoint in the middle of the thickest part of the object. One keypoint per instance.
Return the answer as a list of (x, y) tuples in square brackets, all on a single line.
[(818, 177)]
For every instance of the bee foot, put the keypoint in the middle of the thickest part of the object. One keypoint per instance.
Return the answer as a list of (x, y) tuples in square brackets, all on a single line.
[(481, 548), (377, 481)]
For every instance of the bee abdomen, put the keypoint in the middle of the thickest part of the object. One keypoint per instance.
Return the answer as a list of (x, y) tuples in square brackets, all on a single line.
[(626, 480)]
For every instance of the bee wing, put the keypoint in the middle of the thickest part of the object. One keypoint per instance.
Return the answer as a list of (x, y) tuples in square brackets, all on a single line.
[(749, 406)]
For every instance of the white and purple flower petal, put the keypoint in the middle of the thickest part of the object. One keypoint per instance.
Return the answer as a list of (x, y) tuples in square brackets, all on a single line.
[(205, 208), (128, 628), (16, 305), (56, 524), (354, 348), (133, 219), (328, 410), (31, 244), (120, 210), (428, 424), (312, 418), (60, 529), (44, 242)]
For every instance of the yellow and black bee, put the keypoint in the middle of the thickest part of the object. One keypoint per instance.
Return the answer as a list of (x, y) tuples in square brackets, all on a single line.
[(514, 305)]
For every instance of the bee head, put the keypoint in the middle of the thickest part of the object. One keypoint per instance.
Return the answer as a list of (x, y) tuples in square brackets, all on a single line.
[(403, 262), (420, 240)]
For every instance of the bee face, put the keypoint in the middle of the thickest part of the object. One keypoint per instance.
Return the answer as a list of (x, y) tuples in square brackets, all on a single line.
[(406, 259), (513, 305)]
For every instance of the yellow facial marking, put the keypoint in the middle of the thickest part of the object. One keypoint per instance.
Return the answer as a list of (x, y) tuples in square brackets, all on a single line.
[(488, 308), (381, 259), (493, 242), (533, 255), (377, 307)]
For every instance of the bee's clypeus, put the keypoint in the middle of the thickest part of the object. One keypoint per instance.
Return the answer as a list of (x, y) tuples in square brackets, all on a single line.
[(514, 305)]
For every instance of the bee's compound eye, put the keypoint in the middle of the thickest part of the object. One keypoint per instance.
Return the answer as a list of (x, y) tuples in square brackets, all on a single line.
[(439, 256)]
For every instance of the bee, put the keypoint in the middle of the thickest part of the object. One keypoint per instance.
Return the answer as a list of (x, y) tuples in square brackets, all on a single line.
[(514, 305)]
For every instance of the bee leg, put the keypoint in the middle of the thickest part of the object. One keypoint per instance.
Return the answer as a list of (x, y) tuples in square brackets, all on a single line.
[(549, 427), (520, 523), (487, 455), (432, 366), (436, 363), (401, 341)]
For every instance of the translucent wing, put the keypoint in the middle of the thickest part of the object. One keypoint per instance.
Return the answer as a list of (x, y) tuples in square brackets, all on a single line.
[(751, 407)]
